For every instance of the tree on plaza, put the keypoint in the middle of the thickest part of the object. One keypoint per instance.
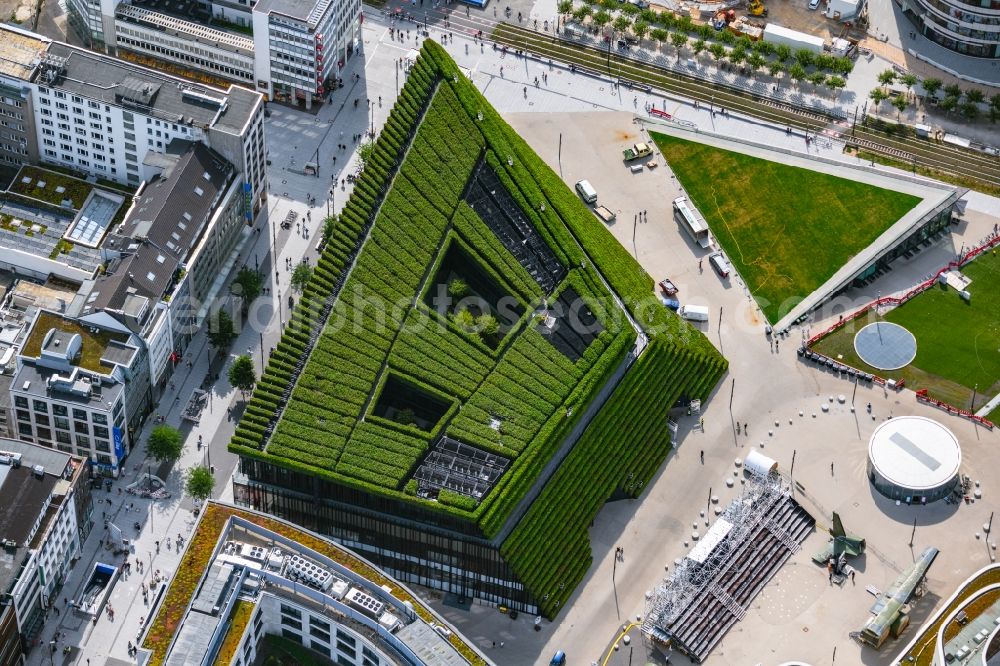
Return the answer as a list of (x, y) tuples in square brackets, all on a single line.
[(329, 227), (565, 6), (628, 9), (969, 109), (783, 52), (247, 284), (242, 374), (843, 66), (737, 55), (621, 24), (301, 275), (908, 80), (953, 90), (659, 35), (931, 86), (975, 95), (165, 443), (887, 77), (948, 103), (836, 82), (220, 329), (878, 96), (774, 68), (817, 78), (199, 483), (995, 101), (641, 29), (365, 152), (602, 18), (678, 39), (797, 72), (718, 51), (805, 57), (899, 101), (686, 24), (756, 61), (727, 37), (580, 13)]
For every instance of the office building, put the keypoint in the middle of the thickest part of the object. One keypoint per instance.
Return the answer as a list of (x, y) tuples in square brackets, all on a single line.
[(285, 49), (970, 28), (80, 389)]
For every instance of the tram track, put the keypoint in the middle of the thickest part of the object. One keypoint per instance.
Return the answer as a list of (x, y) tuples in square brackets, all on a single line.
[(964, 164)]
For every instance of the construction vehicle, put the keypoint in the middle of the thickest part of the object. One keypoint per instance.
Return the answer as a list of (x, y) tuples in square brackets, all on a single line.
[(722, 18), (756, 8), (636, 151)]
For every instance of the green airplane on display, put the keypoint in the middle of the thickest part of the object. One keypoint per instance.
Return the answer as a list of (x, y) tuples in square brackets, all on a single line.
[(841, 546)]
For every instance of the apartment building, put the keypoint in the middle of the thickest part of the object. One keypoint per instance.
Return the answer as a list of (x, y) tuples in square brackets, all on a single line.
[(47, 518)]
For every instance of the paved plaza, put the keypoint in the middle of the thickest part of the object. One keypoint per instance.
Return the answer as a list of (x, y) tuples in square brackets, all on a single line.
[(766, 387)]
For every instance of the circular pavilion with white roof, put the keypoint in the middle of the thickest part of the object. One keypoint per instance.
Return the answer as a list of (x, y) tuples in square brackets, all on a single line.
[(914, 459)]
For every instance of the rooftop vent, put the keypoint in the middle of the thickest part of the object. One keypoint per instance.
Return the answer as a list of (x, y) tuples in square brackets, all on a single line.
[(38, 470)]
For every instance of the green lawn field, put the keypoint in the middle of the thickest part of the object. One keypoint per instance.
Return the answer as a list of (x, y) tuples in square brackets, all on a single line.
[(958, 343), (785, 229)]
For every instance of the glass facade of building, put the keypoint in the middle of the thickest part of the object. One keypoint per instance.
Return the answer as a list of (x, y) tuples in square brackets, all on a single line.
[(413, 544), (971, 28)]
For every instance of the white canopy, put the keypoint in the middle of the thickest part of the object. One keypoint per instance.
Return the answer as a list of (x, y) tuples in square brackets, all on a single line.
[(759, 464)]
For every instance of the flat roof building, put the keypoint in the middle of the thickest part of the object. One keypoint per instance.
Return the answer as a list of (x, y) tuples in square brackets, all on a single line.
[(914, 459), (263, 576)]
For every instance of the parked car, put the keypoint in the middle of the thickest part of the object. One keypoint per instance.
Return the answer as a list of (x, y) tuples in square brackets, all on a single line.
[(671, 303), (558, 659), (813, 4), (719, 264)]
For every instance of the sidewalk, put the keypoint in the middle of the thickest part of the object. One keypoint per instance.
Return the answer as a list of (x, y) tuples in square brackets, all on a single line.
[(163, 520)]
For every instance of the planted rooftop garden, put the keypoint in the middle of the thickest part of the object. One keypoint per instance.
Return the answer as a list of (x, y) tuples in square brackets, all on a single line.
[(465, 306)]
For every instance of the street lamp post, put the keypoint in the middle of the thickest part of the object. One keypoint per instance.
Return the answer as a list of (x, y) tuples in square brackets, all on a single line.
[(262, 352)]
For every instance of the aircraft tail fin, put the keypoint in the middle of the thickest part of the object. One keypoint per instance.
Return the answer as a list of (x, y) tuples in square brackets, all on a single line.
[(838, 527)]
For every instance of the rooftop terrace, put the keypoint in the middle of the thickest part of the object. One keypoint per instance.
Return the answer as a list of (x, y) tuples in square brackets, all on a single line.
[(95, 344)]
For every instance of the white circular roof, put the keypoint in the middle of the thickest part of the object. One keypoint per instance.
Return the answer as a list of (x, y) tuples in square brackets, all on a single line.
[(915, 452)]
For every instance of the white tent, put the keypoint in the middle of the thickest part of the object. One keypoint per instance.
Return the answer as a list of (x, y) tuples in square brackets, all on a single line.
[(759, 464)]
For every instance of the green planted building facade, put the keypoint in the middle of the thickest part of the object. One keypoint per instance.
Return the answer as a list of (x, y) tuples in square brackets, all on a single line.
[(474, 368)]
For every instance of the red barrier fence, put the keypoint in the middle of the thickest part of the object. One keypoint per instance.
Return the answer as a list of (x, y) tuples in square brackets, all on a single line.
[(899, 300)]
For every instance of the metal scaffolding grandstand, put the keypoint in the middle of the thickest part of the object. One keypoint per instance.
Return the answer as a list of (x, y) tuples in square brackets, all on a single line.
[(712, 588)]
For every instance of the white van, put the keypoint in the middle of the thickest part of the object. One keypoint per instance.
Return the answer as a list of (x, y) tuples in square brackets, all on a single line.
[(587, 191), (693, 312)]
